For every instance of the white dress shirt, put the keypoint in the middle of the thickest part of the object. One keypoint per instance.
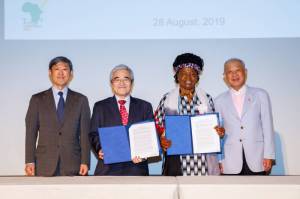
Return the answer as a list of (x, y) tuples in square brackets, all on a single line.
[(238, 98), (56, 96)]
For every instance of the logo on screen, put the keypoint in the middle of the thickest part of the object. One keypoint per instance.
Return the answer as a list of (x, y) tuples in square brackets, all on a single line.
[(33, 11)]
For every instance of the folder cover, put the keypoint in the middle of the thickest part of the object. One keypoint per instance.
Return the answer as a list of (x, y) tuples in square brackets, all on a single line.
[(115, 144), (178, 130)]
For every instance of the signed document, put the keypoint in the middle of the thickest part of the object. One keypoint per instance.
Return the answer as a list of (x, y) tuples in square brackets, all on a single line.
[(143, 140), (205, 138)]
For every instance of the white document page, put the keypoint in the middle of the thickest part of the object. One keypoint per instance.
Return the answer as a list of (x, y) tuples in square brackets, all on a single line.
[(143, 140), (205, 137)]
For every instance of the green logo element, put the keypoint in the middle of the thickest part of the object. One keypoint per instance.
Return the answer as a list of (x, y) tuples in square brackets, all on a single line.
[(34, 11)]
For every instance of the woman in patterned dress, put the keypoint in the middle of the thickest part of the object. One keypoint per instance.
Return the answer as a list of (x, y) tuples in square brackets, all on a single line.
[(186, 99)]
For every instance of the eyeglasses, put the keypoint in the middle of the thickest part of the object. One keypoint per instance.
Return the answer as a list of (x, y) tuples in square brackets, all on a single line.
[(119, 80)]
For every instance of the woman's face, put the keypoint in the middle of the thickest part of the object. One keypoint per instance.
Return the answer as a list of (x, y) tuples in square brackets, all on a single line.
[(187, 78)]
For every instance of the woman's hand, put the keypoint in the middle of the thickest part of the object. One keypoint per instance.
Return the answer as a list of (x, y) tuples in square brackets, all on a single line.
[(165, 143), (220, 130)]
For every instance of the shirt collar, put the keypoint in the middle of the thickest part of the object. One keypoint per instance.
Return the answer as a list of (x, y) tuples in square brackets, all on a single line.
[(241, 91), (127, 99), (64, 90)]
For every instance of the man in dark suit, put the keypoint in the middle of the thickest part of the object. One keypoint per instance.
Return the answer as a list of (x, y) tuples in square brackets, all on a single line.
[(57, 127), (120, 109)]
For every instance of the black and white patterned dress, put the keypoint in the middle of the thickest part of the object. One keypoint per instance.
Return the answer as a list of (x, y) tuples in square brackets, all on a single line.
[(191, 165)]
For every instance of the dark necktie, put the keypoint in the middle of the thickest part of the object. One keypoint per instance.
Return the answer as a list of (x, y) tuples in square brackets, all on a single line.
[(60, 107), (123, 112)]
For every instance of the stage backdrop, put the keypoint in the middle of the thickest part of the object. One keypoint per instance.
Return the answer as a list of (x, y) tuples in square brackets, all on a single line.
[(148, 35)]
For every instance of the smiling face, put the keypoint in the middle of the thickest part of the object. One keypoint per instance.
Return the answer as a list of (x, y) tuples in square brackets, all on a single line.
[(60, 75), (187, 78), (235, 74), (121, 83)]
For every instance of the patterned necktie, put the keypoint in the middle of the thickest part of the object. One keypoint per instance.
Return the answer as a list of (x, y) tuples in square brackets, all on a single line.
[(123, 112), (60, 107)]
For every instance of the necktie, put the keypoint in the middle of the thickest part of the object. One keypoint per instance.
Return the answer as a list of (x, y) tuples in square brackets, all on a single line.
[(60, 107), (123, 112)]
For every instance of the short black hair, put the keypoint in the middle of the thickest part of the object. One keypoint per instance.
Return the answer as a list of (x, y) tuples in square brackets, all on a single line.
[(58, 59), (186, 58)]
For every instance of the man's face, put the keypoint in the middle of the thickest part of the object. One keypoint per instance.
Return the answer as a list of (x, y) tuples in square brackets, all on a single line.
[(60, 75), (235, 75), (187, 78), (121, 83)]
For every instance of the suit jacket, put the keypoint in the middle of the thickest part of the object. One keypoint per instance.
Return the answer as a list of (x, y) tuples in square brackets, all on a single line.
[(49, 141), (253, 132), (106, 114)]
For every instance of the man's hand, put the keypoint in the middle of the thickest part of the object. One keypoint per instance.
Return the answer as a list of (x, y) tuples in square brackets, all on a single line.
[(83, 169), (30, 169), (221, 167), (137, 160), (267, 163), (165, 143), (220, 130), (100, 154)]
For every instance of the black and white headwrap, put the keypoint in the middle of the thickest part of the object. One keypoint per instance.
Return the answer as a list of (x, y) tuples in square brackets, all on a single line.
[(188, 65)]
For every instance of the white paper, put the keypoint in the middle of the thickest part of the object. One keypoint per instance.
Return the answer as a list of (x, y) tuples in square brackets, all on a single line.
[(143, 140), (205, 137)]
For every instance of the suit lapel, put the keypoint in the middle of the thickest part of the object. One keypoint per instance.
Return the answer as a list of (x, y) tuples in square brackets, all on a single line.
[(132, 110), (247, 101), (114, 109), (231, 106), (49, 99), (70, 103)]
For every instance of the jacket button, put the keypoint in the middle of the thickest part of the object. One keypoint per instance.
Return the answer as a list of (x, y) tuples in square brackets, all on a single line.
[(59, 133), (242, 127), (241, 140)]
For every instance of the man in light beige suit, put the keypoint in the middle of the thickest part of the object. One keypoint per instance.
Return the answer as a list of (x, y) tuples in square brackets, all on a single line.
[(57, 127), (249, 145)]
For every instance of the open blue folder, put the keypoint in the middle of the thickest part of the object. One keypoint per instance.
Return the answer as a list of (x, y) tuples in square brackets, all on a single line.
[(115, 144), (178, 130)]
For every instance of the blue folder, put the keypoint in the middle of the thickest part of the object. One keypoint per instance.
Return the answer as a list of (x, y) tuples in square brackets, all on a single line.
[(115, 144), (178, 130)]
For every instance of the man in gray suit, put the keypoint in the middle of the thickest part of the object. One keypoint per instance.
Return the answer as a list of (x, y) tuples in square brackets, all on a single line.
[(246, 111), (57, 127)]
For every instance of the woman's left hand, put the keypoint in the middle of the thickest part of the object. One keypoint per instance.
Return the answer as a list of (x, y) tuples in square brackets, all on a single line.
[(220, 130)]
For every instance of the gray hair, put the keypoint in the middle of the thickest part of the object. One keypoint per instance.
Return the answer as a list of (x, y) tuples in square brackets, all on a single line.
[(235, 59), (121, 67)]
